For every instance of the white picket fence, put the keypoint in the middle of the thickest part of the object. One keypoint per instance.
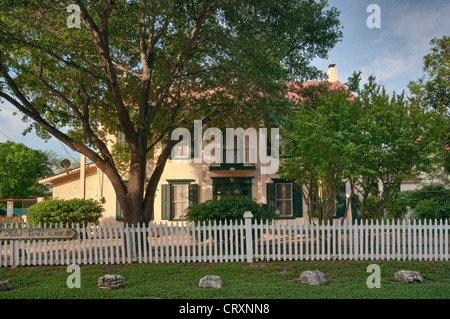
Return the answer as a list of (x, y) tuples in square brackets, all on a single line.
[(244, 241)]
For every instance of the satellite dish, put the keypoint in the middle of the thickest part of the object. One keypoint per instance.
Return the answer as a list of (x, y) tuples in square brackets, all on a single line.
[(65, 163)]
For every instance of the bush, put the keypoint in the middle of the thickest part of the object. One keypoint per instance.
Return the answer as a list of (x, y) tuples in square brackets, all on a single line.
[(228, 209), (428, 202), (57, 211)]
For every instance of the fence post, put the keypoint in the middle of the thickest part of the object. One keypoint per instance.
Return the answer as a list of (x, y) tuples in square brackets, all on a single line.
[(249, 235), (9, 209)]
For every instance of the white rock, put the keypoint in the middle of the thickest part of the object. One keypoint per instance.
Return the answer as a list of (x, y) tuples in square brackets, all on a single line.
[(110, 282), (210, 282), (313, 277), (4, 286), (408, 276)]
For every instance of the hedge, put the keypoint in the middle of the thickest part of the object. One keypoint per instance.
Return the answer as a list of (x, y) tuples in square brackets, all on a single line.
[(57, 211), (228, 209)]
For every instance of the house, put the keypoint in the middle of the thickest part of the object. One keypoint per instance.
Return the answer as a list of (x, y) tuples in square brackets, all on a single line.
[(189, 182)]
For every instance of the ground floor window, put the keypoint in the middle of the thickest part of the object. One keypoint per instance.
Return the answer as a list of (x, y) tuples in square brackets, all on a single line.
[(176, 197), (180, 200), (284, 199)]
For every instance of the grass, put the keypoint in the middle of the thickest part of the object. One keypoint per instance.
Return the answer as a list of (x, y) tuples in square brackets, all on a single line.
[(261, 280)]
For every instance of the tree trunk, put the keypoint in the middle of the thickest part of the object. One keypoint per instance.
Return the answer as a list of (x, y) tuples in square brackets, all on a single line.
[(149, 201)]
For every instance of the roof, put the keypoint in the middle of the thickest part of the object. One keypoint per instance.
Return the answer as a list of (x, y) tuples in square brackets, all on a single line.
[(295, 87), (72, 172)]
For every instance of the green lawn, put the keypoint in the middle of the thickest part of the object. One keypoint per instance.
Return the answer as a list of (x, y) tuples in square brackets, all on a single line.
[(267, 280)]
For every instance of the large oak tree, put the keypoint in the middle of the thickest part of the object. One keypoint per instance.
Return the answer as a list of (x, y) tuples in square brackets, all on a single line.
[(146, 67)]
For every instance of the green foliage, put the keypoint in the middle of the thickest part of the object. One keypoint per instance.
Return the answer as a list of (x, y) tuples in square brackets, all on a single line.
[(319, 141), (20, 168), (428, 202), (432, 92), (228, 209), (432, 87), (372, 137), (56, 211)]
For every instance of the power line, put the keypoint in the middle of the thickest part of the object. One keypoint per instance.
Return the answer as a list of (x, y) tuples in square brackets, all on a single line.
[(6, 136), (68, 152)]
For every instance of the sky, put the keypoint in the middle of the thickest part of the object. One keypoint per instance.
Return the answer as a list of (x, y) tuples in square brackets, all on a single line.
[(393, 53)]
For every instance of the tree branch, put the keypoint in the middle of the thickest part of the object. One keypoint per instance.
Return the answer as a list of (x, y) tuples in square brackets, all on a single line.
[(179, 64), (84, 119), (100, 37), (57, 57)]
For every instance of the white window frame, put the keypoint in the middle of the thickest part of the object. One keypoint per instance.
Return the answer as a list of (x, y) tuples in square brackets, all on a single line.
[(173, 209), (291, 199)]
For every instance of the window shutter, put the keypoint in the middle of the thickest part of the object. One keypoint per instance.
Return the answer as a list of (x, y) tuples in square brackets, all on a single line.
[(355, 212), (193, 194), (341, 202), (165, 202), (297, 207), (270, 188), (119, 212)]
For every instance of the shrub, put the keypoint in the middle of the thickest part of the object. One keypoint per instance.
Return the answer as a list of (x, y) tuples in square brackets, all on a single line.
[(428, 202), (58, 211), (228, 209)]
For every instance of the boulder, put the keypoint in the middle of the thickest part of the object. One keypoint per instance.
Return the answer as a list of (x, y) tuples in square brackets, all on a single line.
[(210, 282), (5, 286), (313, 277), (408, 276), (110, 282)]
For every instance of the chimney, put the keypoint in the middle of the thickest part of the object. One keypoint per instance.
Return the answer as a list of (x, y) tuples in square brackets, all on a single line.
[(332, 73)]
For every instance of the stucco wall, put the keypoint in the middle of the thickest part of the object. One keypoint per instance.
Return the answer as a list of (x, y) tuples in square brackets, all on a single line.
[(97, 185)]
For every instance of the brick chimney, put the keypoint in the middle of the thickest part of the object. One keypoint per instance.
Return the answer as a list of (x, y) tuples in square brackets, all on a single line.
[(332, 73)]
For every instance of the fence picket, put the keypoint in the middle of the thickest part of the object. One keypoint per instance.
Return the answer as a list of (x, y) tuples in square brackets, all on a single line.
[(446, 252), (435, 238), (441, 237)]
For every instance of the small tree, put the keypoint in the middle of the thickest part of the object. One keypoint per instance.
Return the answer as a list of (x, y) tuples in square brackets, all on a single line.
[(20, 168), (374, 140), (397, 140), (432, 92), (319, 145)]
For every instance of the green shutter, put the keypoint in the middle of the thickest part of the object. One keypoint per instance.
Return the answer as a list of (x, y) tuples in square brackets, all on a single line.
[(270, 187), (297, 207), (119, 212), (193, 194), (341, 202), (355, 212), (165, 202)]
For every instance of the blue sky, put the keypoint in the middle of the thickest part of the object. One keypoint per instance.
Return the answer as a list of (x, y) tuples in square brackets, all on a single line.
[(393, 53)]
